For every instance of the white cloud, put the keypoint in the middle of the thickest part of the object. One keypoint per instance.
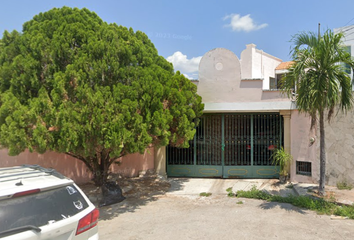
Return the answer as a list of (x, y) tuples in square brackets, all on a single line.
[(187, 76), (183, 64), (191, 76), (243, 23)]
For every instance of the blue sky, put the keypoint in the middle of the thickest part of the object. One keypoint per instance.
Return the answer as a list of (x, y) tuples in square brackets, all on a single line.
[(183, 31)]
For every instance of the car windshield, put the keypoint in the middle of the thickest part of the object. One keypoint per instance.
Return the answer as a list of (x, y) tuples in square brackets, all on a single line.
[(41, 208)]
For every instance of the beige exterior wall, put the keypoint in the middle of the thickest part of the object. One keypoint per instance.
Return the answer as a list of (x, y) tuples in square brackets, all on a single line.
[(301, 147), (160, 161), (73, 168)]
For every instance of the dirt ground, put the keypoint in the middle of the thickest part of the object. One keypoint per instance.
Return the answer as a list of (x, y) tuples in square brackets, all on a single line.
[(149, 213), (344, 196), (137, 190)]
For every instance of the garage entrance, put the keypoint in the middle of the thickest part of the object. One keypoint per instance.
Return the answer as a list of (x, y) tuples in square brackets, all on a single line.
[(230, 146)]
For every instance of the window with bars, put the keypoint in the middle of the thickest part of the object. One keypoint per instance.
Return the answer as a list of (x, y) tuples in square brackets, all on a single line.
[(303, 168)]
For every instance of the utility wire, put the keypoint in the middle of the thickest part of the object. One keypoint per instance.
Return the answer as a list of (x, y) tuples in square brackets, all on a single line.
[(349, 22), (346, 30)]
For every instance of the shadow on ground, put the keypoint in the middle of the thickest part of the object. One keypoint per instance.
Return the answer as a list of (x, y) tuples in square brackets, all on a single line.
[(280, 189), (138, 192), (283, 190), (286, 206)]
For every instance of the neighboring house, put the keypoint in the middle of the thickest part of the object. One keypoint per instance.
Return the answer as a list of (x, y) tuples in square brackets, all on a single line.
[(246, 117), (348, 32)]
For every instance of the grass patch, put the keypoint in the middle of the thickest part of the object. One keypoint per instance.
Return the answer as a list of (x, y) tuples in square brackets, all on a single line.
[(205, 194), (344, 185), (239, 202), (319, 205)]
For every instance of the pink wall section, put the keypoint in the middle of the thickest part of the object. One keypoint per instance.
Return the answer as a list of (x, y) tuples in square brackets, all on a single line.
[(130, 165), (301, 148)]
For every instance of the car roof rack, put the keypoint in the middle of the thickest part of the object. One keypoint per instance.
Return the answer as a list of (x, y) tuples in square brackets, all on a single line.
[(27, 171)]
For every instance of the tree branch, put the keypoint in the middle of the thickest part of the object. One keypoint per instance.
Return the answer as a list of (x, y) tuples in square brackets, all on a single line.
[(84, 160)]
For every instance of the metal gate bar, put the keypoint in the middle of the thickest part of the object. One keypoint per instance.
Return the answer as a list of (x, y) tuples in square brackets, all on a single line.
[(237, 140), (230, 145)]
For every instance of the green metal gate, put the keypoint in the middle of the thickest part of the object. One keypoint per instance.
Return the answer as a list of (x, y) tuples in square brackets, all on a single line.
[(230, 146)]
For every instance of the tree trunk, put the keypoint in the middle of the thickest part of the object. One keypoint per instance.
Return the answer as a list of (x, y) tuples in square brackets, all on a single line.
[(100, 171), (321, 189), (98, 165)]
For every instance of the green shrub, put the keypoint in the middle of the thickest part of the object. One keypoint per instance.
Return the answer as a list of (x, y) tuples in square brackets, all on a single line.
[(281, 158)]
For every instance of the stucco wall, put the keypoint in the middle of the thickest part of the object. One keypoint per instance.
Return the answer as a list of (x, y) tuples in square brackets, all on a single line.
[(301, 148), (246, 56), (73, 168), (132, 164), (220, 77), (256, 63), (340, 149)]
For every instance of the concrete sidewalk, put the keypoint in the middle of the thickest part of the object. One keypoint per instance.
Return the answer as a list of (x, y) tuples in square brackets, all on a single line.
[(194, 186)]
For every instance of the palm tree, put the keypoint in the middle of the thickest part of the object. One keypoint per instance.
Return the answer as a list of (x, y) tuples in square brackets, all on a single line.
[(320, 80)]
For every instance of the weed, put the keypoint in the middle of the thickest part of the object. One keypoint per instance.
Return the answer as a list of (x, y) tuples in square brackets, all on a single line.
[(205, 194), (253, 193), (321, 206), (331, 197), (344, 185), (239, 202), (230, 193)]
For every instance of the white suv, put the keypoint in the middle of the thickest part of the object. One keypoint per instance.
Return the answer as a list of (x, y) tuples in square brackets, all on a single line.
[(39, 203)]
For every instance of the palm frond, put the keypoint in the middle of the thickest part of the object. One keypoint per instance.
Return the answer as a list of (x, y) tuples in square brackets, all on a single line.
[(318, 74)]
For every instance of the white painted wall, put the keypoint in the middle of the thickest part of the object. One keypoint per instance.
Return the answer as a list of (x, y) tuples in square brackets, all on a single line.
[(257, 64), (246, 61), (223, 78), (219, 76), (348, 32)]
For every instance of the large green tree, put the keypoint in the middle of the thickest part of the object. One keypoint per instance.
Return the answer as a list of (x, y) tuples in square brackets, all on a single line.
[(74, 84), (321, 82)]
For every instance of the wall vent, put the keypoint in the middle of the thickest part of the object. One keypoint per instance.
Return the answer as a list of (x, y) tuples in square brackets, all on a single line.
[(303, 168)]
